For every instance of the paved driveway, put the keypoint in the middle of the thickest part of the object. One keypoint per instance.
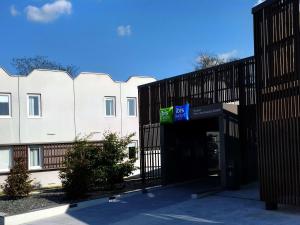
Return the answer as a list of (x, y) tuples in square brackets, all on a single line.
[(176, 206)]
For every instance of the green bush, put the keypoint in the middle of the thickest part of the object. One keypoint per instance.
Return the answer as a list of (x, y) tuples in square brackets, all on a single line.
[(88, 166), (18, 183), (77, 174), (114, 164)]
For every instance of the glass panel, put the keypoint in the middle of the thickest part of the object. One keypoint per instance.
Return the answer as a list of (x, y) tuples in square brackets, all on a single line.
[(31, 106), (34, 157), (213, 152), (34, 106), (5, 159), (108, 107), (4, 105), (131, 107), (112, 108), (109, 104)]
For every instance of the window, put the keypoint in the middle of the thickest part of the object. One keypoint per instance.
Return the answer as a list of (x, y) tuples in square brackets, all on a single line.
[(132, 151), (5, 159), (131, 106), (34, 105), (110, 106), (4, 105), (35, 157)]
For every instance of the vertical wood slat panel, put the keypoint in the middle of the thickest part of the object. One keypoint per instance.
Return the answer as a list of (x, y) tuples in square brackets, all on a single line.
[(21, 151), (53, 153), (276, 35)]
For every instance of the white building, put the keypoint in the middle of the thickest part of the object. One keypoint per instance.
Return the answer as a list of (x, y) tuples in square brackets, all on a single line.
[(44, 111)]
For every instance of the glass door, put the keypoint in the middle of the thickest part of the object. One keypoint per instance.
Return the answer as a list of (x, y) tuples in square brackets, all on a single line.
[(213, 153)]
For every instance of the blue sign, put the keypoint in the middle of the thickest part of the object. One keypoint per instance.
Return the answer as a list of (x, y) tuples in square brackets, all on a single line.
[(182, 113)]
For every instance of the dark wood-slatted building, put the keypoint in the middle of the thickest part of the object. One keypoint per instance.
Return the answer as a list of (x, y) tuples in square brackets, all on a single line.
[(244, 116)]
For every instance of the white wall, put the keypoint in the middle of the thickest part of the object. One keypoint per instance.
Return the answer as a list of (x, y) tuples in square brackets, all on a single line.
[(57, 105), (70, 107), (129, 89), (9, 127), (40, 179), (90, 90)]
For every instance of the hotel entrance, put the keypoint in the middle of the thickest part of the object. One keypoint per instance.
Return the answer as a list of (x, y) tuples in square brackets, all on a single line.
[(206, 147)]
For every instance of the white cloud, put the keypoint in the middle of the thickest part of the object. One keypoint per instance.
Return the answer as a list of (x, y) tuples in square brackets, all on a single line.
[(14, 11), (226, 56), (259, 2), (48, 12), (124, 30)]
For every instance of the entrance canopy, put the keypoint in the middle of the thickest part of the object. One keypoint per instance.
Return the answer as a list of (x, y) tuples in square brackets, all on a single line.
[(214, 110)]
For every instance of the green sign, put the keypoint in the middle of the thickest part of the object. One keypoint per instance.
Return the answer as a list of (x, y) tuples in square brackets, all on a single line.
[(166, 115)]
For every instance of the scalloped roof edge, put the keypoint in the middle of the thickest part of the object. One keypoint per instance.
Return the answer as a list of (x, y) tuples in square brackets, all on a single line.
[(73, 78)]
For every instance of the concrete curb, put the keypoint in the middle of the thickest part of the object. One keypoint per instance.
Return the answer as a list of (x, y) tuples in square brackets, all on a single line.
[(62, 209), (33, 215)]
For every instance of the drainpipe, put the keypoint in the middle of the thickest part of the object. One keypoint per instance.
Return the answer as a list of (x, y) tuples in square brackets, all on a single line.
[(121, 109), (74, 108), (19, 131)]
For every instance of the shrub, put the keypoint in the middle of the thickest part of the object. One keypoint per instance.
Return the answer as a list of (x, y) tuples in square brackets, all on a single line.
[(18, 183), (77, 174), (88, 166), (114, 165)]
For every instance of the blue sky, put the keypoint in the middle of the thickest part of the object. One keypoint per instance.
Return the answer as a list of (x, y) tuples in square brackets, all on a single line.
[(160, 38)]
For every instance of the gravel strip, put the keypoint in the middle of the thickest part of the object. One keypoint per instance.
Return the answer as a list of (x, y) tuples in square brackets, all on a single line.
[(36, 201), (55, 197)]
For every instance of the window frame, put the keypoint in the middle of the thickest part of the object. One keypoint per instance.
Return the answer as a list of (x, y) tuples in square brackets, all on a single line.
[(9, 105), (135, 106), (11, 159), (114, 106), (40, 105), (40, 158)]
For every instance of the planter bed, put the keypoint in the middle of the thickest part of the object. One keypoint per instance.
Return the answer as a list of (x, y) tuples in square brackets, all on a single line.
[(46, 198)]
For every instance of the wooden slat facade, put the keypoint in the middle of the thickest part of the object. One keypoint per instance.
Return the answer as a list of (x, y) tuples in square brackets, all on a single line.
[(227, 83), (268, 92), (20, 151), (53, 153), (276, 34)]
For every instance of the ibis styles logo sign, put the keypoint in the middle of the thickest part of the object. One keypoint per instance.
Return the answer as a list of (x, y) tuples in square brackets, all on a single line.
[(182, 113), (168, 115)]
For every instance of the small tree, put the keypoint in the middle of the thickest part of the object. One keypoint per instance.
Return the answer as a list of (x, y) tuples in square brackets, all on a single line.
[(18, 183)]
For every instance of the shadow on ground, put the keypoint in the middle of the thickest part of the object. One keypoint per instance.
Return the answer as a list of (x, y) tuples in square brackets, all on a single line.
[(175, 205)]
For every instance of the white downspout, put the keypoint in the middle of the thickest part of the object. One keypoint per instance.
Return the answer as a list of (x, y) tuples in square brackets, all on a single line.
[(19, 105), (121, 109)]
